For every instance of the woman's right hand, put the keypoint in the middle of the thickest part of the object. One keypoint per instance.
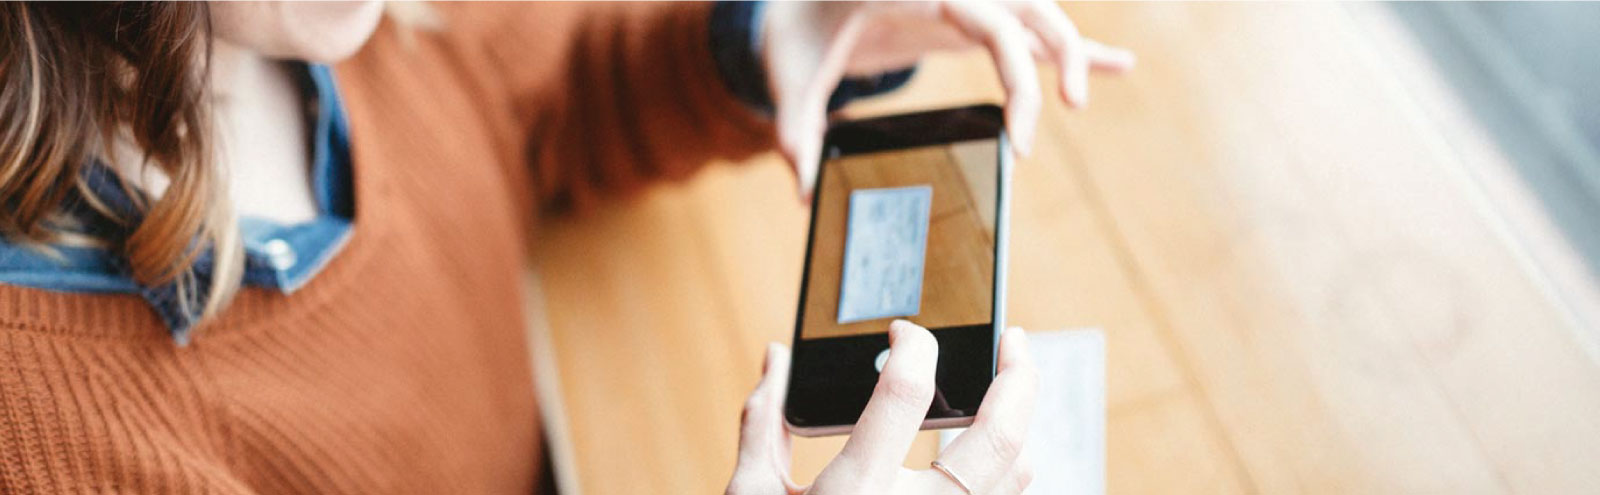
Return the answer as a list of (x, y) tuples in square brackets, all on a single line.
[(809, 46), (986, 456)]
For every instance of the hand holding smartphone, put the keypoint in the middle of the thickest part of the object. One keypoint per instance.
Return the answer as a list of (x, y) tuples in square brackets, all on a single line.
[(986, 458), (909, 221)]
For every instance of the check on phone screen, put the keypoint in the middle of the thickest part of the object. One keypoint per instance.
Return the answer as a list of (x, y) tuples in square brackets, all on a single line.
[(883, 253)]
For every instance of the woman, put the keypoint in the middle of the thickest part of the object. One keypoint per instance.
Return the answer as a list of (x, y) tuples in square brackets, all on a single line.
[(230, 267)]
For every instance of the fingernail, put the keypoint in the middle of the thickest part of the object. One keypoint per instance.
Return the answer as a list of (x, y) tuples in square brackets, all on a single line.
[(897, 327), (1024, 144), (1019, 334), (1077, 87), (1020, 141)]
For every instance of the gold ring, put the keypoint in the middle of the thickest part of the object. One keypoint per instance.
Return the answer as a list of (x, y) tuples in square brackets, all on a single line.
[(940, 467)]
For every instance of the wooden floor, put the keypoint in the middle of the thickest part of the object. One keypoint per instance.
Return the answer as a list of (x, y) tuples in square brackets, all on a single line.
[(1304, 286)]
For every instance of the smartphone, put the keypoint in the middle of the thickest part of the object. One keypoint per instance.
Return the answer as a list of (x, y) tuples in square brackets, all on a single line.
[(909, 220)]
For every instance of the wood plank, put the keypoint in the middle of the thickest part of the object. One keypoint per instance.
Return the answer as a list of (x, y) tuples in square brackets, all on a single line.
[(1354, 327), (624, 378), (1155, 443)]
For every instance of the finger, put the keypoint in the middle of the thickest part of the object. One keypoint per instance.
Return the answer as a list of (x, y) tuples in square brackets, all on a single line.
[(1017, 480), (763, 442), (800, 140), (882, 437), (984, 453), (1110, 58), (1040, 50), (1001, 33), (763, 411), (801, 88), (1010, 398), (802, 119), (1067, 47)]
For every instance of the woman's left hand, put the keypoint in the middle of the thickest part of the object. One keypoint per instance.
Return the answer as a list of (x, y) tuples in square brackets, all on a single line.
[(810, 46), (989, 455)]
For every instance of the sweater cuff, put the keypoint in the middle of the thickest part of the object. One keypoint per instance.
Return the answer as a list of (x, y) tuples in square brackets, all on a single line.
[(735, 39)]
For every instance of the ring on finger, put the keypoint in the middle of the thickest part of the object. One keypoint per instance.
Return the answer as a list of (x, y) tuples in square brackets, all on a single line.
[(945, 470)]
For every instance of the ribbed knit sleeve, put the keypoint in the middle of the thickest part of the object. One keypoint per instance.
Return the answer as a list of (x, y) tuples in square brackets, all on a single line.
[(614, 95)]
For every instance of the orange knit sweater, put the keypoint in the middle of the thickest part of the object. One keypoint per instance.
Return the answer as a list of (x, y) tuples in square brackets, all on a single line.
[(402, 367)]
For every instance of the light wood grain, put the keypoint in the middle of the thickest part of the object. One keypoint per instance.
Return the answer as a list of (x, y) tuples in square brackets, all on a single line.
[(1301, 291)]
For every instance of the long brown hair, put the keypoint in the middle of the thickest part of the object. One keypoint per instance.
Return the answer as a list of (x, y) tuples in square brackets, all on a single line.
[(77, 79)]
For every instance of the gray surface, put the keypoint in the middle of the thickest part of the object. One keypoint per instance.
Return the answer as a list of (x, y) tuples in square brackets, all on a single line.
[(1529, 72), (885, 242)]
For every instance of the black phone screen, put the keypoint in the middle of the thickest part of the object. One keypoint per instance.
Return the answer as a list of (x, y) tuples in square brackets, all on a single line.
[(906, 223)]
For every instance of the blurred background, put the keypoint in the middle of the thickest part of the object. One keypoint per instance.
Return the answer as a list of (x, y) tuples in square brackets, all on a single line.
[(1333, 248)]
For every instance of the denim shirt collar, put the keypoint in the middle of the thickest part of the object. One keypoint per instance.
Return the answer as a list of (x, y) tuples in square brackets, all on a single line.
[(277, 256)]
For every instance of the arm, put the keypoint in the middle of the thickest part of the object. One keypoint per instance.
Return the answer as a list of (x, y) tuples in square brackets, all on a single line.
[(644, 102), (610, 96)]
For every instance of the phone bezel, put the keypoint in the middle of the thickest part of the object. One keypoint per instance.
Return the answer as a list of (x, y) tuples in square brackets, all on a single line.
[(928, 128)]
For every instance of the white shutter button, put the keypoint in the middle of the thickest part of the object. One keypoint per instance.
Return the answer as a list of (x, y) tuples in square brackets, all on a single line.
[(279, 254)]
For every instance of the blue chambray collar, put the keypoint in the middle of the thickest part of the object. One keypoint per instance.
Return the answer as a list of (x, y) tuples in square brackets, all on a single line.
[(277, 256)]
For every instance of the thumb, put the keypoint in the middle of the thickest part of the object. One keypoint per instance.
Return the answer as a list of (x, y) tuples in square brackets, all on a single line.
[(763, 465)]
